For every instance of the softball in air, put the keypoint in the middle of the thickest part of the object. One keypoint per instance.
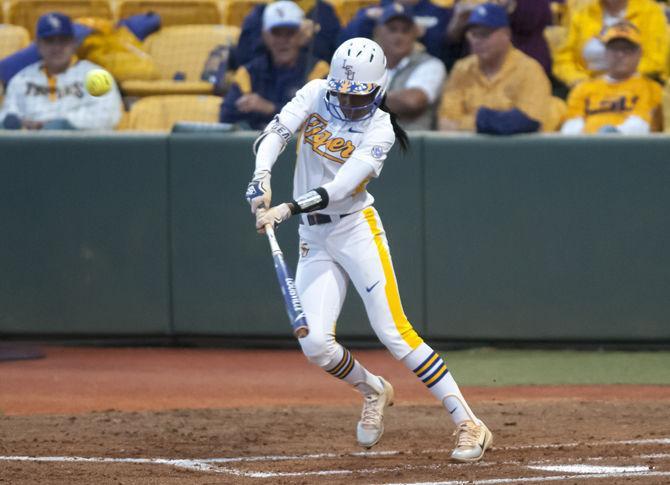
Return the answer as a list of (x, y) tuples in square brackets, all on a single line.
[(98, 82)]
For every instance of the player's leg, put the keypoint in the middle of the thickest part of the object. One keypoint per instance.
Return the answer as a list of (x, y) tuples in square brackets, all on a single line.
[(322, 285), (369, 265)]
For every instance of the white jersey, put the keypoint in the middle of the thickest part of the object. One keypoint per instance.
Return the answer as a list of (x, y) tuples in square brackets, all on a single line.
[(325, 144), (32, 95)]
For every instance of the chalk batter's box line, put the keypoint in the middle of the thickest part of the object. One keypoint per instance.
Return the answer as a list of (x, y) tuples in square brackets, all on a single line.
[(214, 464)]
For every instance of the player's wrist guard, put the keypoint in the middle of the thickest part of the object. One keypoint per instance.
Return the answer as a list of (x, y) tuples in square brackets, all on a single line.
[(310, 201), (273, 127)]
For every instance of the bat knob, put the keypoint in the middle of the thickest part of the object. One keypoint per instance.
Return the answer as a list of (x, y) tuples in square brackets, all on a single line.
[(301, 332)]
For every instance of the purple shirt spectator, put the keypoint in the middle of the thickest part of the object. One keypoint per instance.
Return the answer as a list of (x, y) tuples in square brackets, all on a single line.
[(528, 21)]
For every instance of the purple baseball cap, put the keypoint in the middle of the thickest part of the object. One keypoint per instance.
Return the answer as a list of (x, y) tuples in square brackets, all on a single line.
[(489, 15), (395, 11), (53, 24)]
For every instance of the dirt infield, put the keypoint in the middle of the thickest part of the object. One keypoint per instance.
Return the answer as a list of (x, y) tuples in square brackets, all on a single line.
[(176, 416)]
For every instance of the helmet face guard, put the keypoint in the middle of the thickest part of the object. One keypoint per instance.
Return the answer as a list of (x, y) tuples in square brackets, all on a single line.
[(352, 113)]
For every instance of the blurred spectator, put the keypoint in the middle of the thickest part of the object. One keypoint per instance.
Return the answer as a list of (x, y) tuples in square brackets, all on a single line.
[(415, 77), (320, 30), (269, 81), (621, 101), (431, 20), (583, 54), (50, 94), (116, 48), (498, 89), (528, 19)]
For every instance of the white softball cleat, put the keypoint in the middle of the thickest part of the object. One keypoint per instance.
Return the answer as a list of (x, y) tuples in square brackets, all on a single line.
[(472, 440), (371, 426)]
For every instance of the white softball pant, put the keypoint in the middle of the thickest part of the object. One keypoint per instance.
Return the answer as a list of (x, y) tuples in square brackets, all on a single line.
[(354, 247)]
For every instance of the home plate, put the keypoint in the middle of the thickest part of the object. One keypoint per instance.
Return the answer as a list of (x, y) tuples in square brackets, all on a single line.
[(590, 469)]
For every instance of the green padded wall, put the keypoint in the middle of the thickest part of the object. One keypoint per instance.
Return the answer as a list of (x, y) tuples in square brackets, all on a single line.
[(223, 275), (543, 238), (492, 238), (84, 235)]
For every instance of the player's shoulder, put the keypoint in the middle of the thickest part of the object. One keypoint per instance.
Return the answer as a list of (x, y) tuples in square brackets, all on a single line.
[(313, 90), (316, 85), (380, 127)]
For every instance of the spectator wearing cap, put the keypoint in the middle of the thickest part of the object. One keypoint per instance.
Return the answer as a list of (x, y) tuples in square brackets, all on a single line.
[(50, 93), (497, 89), (527, 19), (262, 86), (582, 56), (430, 19), (415, 77), (620, 101), (321, 28)]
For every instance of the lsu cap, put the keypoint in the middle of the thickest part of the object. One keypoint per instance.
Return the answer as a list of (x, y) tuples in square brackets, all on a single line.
[(395, 11), (282, 14), (622, 30), (53, 24), (488, 15)]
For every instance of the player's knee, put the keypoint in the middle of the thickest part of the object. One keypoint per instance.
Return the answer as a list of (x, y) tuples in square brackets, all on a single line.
[(319, 350), (400, 345)]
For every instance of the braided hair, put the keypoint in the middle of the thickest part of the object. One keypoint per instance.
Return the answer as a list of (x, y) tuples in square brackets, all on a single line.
[(400, 133)]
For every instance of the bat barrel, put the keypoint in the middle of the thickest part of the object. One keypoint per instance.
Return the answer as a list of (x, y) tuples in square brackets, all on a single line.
[(292, 303)]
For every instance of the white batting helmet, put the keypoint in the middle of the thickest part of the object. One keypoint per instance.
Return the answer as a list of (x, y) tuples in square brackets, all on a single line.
[(358, 67)]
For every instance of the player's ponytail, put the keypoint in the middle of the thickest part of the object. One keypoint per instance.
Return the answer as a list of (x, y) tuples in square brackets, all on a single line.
[(400, 133)]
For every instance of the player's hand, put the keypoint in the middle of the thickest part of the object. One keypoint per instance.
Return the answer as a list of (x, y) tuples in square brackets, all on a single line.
[(274, 216), (254, 103), (259, 191)]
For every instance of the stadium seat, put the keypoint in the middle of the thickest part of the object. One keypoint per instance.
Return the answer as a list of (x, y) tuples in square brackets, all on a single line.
[(160, 113), (26, 12), (234, 11), (174, 12), (12, 38), (180, 52), (346, 9)]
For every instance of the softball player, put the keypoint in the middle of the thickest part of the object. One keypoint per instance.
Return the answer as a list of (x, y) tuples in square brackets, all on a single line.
[(345, 134)]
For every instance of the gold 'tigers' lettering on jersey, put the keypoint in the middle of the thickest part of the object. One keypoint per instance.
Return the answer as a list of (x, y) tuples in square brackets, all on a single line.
[(335, 149)]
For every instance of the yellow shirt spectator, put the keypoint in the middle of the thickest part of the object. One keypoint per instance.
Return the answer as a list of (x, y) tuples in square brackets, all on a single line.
[(604, 102), (521, 83), (581, 56), (622, 101)]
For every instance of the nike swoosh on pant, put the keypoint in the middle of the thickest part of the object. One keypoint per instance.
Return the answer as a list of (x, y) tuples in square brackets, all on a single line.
[(369, 289)]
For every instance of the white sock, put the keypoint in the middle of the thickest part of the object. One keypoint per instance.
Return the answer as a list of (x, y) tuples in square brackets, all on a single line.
[(345, 367), (428, 366)]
